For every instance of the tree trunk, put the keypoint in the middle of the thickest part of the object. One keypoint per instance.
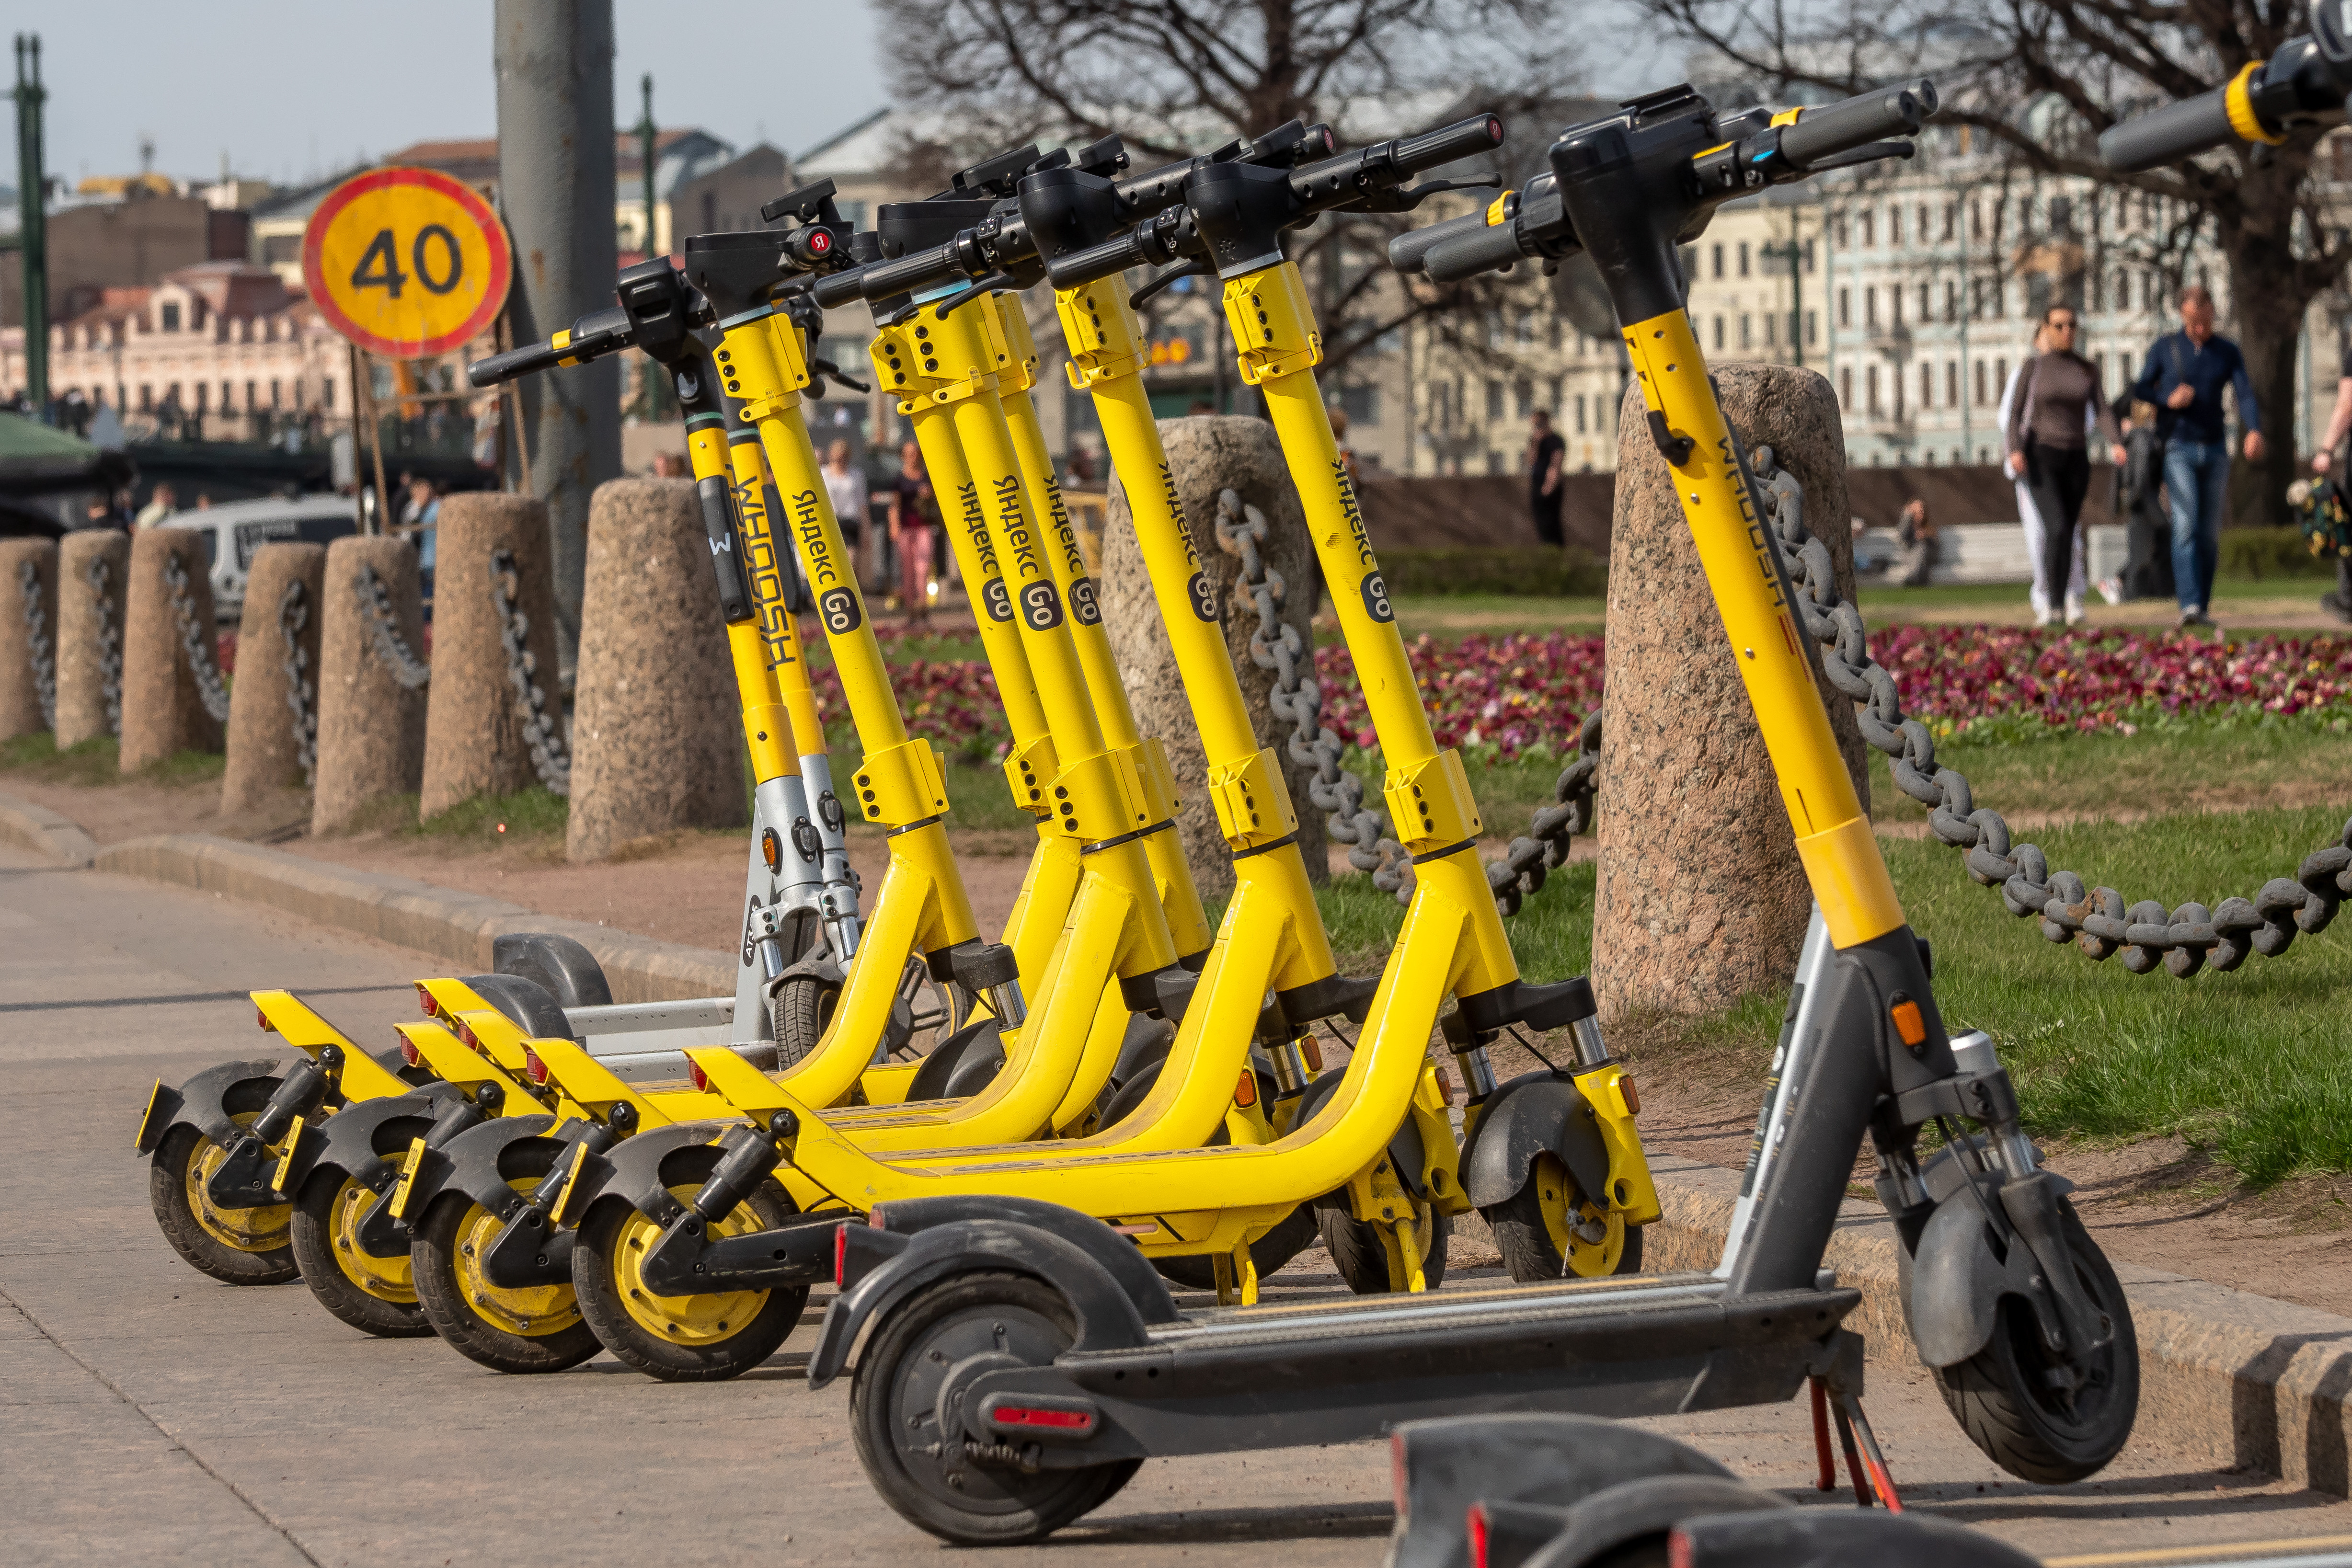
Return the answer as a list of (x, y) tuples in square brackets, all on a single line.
[(2269, 290)]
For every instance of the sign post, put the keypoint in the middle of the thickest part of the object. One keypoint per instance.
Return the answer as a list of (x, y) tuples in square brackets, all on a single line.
[(407, 263)]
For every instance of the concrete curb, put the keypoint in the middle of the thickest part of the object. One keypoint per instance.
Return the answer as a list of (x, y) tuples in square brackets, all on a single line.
[(458, 926), (2238, 1379), (43, 832)]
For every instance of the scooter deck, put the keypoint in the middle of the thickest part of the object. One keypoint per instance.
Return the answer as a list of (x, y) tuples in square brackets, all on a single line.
[(1278, 1377)]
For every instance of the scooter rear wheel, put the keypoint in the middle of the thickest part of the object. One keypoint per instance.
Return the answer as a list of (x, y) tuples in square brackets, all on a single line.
[(374, 1295), (234, 1246), (1362, 1258), (930, 1475), (536, 1328), (2003, 1400), (682, 1339), (1537, 1236)]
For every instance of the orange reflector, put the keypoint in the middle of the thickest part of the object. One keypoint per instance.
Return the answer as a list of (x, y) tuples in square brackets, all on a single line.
[(409, 1053), (262, 1018), (702, 1079), (425, 1000), (1445, 1084), (1909, 1022), (533, 1068), (772, 849), (1312, 1049), (1633, 1095), (1245, 1092)]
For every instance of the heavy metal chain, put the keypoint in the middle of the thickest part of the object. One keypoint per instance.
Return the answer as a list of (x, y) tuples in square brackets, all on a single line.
[(37, 646), (391, 649), (195, 641), (110, 644), (542, 733), (1519, 874), (1297, 700), (293, 615)]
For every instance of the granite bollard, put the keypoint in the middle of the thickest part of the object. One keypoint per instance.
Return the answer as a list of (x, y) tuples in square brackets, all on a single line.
[(28, 636), (273, 711), (174, 698), (371, 680), (477, 726), (93, 576)]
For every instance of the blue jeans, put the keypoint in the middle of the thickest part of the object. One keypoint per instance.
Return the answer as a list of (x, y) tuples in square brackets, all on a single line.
[(2197, 483)]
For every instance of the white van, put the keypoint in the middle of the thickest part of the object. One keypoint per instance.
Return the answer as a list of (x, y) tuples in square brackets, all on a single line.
[(234, 532)]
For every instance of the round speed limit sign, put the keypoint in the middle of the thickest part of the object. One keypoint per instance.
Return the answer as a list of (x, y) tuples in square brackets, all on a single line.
[(407, 263)]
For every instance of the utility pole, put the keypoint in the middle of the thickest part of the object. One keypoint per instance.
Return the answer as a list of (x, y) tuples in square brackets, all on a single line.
[(556, 182), (655, 382), (32, 239)]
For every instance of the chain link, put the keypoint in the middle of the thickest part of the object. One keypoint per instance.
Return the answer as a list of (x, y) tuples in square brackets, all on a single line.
[(37, 646), (101, 578), (391, 649), (1519, 874), (1297, 700), (543, 735), (301, 696), (211, 689)]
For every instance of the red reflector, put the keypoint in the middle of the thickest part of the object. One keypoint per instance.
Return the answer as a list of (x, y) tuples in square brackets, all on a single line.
[(532, 1066), (702, 1079), (1678, 1550), (262, 1018), (1397, 1478), (840, 1251), (1245, 1092), (409, 1053), (425, 1000), (1030, 1416), (1477, 1536), (467, 1035)]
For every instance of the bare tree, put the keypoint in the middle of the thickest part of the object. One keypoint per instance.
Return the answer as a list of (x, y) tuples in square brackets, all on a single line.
[(2042, 78)]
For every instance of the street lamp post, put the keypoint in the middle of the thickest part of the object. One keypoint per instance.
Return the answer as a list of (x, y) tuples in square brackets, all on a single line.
[(33, 240)]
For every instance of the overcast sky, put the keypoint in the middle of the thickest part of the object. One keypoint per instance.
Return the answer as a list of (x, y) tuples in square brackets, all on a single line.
[(288, 92)]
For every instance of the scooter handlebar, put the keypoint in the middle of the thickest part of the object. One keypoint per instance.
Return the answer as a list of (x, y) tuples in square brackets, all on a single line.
[(1409, 249), (1094, 263), (2168, 135), (916, 270), (592, 338), (1487, 249), (1463, 138), (1839, 127)]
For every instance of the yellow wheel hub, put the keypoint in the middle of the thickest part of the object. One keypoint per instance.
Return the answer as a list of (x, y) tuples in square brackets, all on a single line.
[(530, 1311), (385, 1278), (262, 1229), (1573, 1222), (682, 1320)]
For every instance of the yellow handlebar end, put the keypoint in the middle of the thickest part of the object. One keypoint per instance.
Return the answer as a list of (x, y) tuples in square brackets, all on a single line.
[(2239, 103)]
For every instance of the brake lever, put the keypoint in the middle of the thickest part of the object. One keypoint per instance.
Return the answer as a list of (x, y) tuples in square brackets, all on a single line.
[(1192, 268), (1404, 199), (855, 386), (980, 285), (1868, 152)]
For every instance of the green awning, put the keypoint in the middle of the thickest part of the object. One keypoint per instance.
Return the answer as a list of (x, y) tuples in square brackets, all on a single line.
[(36, 459)]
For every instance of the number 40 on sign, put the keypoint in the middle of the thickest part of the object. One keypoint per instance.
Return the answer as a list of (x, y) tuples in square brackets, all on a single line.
[(407, 263)]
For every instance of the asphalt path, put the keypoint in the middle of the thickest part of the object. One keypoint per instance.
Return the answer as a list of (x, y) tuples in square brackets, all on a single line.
[(147, 1414)]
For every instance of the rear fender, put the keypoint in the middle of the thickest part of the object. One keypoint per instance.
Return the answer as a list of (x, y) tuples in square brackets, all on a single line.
[(1533, 1115), (207, 1103), (468, 1167), (558, 964), (631, 1172), (1118, 1256), (365, 1142), (1106, 1318)]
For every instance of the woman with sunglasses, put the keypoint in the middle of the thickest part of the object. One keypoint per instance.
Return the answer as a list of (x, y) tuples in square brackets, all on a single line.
[(2046, 443)]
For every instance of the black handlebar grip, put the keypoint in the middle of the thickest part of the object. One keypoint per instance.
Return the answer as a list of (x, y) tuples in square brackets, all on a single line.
[(1094, 264), (1463, 138), (1407, 251), (1839, 127), (919, 269), (1467, 254), (513, 365), (839, 288), (2169, 134)]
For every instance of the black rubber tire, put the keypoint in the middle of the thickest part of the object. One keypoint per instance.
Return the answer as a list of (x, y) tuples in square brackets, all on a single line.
[(167, 1193), (1198, 1271), (1524, 1241), (314, 1250), (600, 1292), (999, 1506), (799, 1011), (433, 1266), (2000, 1401), (1363, 1262)]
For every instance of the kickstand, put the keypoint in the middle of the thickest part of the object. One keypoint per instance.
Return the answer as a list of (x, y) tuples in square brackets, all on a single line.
[(1852, 1458), (1828, 1481), (1853, 1423)]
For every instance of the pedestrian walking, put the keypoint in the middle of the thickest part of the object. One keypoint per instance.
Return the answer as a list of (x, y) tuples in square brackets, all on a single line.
[(2137, 500), (1918, 534), (163, 504), (1547, 455), (2042, 596), (915, 522), (2184, 378), (2325, 461), (2047, 445)]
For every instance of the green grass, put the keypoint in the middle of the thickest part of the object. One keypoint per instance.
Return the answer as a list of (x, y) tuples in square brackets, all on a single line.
[(2156, 771), (532, 813), (99, 761), (1458, 615)]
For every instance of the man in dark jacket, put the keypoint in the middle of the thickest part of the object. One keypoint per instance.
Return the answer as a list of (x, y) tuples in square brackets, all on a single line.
[(2185, 373)]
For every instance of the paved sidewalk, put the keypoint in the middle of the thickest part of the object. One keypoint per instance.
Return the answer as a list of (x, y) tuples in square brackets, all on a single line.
[(147, 1414)]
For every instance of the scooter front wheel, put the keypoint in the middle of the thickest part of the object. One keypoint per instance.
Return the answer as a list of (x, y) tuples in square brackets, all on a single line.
[(801, 1008), (234, 1246), (1548, 1230), (932, 1475), (374, 1295), (682, 1339), (1361, 1255), (532, 1328), (2008, 1401)]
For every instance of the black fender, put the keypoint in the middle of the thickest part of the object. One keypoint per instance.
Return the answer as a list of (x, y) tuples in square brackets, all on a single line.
[(975, 1050), (1954, 1276), (364, 1141), (1444, 1466), (527, 1004), (1106, 1318), (1120, 1257), (1532, 1115), (1405, 1152), (558, 965), (631, 1172), (206, 1102), (469, 1167), (1839, 1535), (817, 964)]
